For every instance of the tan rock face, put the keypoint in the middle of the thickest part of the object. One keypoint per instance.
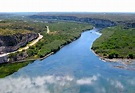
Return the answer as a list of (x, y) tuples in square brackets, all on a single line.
[(12, 43)]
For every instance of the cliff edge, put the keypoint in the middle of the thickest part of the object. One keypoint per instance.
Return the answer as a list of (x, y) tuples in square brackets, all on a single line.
[(11, 43)]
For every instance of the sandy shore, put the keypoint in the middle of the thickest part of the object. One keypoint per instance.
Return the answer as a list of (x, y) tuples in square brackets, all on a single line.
[(124, 61), (120, 60)]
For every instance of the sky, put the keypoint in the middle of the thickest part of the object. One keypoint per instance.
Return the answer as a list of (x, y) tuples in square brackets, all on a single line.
[(67, 6)]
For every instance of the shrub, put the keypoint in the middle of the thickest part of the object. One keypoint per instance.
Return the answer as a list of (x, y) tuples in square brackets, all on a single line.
[(113, 55), (130, 56)]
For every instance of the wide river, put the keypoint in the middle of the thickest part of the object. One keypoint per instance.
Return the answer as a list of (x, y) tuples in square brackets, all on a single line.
[(73, 69)]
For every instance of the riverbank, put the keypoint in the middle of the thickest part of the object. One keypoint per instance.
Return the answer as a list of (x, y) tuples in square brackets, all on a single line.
[(9, 68), (51, 52), (124, 63), (16, 65), (50, 44), (115, 45), (73, 64), (120, 60)]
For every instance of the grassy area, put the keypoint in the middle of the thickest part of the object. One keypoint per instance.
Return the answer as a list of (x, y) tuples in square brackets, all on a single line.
[(9, 68), (65, 32), (9, 32), (116, 42), (8, 28), (108, 16), (62, 34)]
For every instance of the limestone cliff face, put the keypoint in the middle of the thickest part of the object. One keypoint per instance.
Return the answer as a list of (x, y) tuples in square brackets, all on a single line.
[(131, 25), (13, 42), (94, 21)]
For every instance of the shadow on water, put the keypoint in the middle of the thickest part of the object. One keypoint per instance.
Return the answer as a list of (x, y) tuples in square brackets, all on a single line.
[(73, 69)]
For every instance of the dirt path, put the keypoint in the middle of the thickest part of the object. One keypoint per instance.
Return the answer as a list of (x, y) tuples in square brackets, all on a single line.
[(32, 43), (26, 47)]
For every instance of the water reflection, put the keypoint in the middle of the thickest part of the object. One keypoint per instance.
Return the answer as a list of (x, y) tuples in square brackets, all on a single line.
[(63, 84), (74, 69)]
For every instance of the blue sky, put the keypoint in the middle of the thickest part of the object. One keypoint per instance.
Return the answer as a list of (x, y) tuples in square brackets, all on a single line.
[(67, 6)]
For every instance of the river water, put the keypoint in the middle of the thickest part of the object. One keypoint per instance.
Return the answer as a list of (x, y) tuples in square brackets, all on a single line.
[(73, 69)]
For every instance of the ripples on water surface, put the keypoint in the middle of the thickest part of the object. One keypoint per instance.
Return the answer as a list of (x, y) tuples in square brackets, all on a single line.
[(73, 69)]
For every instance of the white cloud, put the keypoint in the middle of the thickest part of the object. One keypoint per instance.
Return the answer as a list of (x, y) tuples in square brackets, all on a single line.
[(131, 81), (87, 81), (34, 85), (21, 85), (67, 5), (117, 84), (41, 84)]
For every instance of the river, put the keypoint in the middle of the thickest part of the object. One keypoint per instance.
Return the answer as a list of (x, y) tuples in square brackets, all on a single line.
[(73, 69)]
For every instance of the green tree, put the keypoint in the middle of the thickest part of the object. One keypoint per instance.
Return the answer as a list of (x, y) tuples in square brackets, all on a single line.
[(130, 56)]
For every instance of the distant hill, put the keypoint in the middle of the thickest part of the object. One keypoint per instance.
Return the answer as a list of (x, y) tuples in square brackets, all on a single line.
[(108, 16)]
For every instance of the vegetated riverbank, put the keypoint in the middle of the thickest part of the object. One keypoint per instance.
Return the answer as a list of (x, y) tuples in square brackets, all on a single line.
[(116, 44), (62, 33), (125, 61), (9, 68)]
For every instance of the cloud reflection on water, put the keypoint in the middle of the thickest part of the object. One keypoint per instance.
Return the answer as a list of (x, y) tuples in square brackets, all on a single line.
[(43, 84), (87, 81), (60, 84)]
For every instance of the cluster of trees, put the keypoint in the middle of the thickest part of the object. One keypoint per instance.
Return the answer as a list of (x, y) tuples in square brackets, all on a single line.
[(65, 32), (15, 27), (61, 34), (9, 68), (116, 42)]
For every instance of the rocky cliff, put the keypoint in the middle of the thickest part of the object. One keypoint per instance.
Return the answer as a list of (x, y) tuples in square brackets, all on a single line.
[(94, 21), (13, 42)]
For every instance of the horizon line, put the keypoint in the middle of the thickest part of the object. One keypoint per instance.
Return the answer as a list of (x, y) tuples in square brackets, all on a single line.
[(62, 12)]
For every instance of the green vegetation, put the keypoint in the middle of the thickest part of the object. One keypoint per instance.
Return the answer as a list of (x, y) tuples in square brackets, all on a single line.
[(9, 28), (61, 33), (108, 16), (7, 32), (9, 68), (116, 42)]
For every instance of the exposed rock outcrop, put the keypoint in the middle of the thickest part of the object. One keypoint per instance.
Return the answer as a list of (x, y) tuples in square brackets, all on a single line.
[(3, 59), (13, 42), (94, 21), (127, 24), (131, 25)]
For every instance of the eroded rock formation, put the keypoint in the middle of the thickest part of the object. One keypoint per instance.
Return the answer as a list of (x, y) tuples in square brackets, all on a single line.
[(13, 42)]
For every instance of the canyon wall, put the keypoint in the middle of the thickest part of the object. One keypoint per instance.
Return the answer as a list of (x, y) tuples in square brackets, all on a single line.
[(13, 42)]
